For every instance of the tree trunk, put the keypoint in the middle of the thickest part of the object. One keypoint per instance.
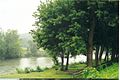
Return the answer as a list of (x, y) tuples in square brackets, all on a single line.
[(117, 57), (96, 55), (113, 55), (116, 49), (62, 61), (117, 54), (106, 55), (67, 62), (55, 60), (90, 38), (101, 52)]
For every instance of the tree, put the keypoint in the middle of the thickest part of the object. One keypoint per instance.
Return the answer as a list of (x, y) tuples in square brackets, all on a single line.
[(2, 45), (89, 9), (107, 21), (102, 20), (58, 29), (12, 44), (69, 27), (32, 49)]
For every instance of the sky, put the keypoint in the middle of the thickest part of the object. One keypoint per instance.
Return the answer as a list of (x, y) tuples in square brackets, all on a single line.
[(17, 15)]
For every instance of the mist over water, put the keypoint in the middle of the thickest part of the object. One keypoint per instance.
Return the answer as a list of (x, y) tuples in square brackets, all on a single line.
[(9, 66)]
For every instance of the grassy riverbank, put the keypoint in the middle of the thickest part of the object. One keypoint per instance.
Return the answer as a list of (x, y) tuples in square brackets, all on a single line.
[(50, 73), (109, 72)]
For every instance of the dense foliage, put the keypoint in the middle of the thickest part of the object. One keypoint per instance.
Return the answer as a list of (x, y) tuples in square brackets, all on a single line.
[(29, 47), (57, 31), (12, 46), (32, 50), (9, 45), (68, 28)]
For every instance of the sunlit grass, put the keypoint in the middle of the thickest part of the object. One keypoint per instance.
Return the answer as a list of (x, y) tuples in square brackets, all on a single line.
[(110, 72), (76, 66), (107, 73), (51, 73)]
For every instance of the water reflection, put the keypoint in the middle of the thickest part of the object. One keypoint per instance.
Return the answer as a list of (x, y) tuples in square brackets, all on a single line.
[(33, 62), (41, 62), (9, 66), (24, 62)]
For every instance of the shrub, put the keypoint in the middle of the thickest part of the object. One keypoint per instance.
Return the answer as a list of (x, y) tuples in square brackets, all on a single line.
[(90, 72), (19, 70), (101, 67), (27, 70), (46, 68), (32, 70), (38, 69), (56, 67)]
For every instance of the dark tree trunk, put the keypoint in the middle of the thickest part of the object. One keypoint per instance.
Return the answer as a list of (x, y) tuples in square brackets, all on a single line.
[(67, 62), (117, 50), (62, 61), (90, 37), (117, 58), (96, 55), (101, 52), (117, 44), (105, 58), (113, 55), (106, 55), (55, 60)]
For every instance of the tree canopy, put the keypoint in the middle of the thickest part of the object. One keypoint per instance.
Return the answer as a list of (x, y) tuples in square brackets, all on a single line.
[(71, 27)]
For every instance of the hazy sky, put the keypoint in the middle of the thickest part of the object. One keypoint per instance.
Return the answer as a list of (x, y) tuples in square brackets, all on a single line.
[(17, 14)]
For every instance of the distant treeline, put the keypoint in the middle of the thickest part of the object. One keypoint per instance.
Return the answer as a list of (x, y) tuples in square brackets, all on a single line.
[(11, 46), (30, 49)]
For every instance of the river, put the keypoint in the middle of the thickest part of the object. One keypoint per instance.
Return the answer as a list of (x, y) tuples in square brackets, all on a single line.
[(9, 66)]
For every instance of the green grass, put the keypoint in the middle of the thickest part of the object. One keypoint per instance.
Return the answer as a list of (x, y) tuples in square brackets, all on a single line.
[(109, 72), (50, 73), (76, 66)]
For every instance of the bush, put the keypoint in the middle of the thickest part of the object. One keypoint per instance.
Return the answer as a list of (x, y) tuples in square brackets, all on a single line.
[(38, 69), (56, 67), (32, 70), (101, 67), (46, 68), (27, 70), (19, 70), (90, 72)]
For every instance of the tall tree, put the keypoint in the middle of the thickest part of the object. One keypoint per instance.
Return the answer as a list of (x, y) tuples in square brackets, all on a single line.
[(57, 29)]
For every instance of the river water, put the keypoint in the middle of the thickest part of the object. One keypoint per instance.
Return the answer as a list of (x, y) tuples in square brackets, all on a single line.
[(9, 66)]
